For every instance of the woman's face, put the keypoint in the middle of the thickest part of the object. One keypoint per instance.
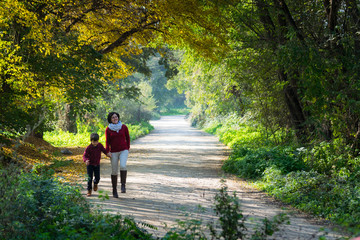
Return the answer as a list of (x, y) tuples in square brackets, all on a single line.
[(114, 119)]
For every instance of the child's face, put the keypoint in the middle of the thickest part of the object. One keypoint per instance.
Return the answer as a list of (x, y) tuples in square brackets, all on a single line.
[(94, 143)]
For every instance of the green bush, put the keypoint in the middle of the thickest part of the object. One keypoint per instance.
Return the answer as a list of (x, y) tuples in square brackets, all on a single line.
[(40, 207), (327, 157), (34, 204), (139, 130), (235, 131), (331, 197), (251, 163), (322, 178)]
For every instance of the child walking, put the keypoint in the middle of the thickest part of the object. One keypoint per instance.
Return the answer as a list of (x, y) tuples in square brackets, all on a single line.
[(91, 157)]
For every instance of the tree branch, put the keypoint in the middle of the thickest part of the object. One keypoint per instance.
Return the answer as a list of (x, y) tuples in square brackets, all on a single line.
[(119, 41), (291, 21), (265, 19), (332, 7), (123, 37)]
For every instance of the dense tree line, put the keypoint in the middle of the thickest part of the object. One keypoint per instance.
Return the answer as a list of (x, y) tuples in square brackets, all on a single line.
[(291, 64)]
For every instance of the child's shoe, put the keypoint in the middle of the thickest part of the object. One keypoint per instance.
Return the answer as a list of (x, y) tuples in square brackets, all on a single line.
[(95, 187), (89, 193)]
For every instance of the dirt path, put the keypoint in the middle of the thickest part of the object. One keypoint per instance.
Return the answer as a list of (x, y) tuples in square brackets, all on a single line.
[(176, 169)]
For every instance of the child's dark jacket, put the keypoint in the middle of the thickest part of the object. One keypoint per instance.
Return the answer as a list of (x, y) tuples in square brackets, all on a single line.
[(93, 154)]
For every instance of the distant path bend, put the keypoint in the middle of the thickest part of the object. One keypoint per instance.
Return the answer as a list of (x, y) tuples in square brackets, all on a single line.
[(177, 168)]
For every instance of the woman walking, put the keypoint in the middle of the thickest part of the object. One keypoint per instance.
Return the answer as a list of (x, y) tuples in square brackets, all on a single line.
[(118, 143)]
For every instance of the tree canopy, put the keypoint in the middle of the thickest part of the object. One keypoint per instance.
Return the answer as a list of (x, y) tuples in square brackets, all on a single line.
[(68, 50), (292, 64)]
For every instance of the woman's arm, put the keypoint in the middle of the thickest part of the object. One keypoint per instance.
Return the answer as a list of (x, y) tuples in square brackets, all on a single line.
[(127, 137), (107, 140)]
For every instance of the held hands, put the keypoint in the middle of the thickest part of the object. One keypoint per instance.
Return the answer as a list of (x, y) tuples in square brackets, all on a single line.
[(108, 154)]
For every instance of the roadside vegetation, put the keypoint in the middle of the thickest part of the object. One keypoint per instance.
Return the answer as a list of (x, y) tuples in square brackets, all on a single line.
[(320, 178), (175, 111)]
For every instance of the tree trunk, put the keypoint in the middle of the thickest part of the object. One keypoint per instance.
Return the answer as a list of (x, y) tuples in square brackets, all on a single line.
[(294, 106), (284, 22), (68, 119)]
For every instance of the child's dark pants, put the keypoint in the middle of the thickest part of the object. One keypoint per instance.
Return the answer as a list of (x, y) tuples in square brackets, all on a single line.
[(93, 171)]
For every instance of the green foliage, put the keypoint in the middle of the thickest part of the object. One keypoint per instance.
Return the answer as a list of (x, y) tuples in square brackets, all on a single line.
[(139, 130), (328, 157), (333, 197), (233, 130), (40, 207), (36, 205), (231, 219), (60, 138), (322, 178), (82, 138), (253, 149), (251, 163), (174, 111), (165, 98)]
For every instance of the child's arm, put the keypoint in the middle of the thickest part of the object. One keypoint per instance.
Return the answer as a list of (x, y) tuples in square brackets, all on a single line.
[(86, 157), (104, 150)]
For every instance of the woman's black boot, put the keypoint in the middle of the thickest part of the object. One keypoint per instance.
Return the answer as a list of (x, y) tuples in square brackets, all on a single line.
[(114, 185), (123, 174)]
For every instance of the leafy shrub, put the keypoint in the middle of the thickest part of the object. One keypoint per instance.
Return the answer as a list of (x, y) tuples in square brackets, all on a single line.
[(139, 130), (40, 207), (212, 127), (327, 157), (34, 204), (240, 131), (251, 163), (322, 178), (231, 219), (332, 197)]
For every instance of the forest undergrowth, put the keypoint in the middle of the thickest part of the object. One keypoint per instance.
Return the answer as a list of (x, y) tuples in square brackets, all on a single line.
[(321, 178)]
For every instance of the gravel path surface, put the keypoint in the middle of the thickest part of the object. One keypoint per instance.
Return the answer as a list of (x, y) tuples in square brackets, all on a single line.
[(175, 172)]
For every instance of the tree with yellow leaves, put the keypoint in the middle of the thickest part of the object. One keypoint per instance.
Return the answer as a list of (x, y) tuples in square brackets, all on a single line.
[(66, 50)]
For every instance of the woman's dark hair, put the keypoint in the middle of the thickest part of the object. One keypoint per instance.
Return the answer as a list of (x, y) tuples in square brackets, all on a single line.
[(94, 137), (110, 115)]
